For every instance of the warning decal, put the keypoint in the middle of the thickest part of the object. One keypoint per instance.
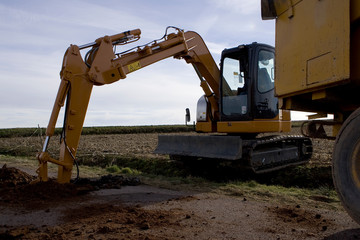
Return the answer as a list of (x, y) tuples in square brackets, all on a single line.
[(134, 66)]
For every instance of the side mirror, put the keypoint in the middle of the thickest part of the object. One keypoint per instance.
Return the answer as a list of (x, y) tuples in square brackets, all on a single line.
[(268, 10), (187, 116)]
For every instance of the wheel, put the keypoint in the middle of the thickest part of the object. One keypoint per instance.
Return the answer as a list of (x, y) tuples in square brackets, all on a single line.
[(346, 165)]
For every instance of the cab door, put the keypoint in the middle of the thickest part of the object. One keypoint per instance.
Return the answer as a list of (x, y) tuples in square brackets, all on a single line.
[(265, 104), (235, 87)]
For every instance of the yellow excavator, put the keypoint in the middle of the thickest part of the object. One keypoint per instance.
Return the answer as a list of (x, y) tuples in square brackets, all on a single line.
[(238, 101), (317, 56)]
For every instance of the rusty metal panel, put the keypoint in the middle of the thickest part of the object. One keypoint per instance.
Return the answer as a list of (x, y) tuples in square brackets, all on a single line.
[(312, 45)]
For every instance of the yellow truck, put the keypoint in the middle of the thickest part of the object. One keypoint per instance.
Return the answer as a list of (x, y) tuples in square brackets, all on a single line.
[(317, 51)]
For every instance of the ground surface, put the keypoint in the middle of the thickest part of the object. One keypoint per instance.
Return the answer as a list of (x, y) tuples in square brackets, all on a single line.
[(124, 208)]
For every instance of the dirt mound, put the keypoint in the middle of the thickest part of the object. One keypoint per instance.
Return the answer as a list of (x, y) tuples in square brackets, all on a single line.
[(17, 187), (11, 177), (39, 191)]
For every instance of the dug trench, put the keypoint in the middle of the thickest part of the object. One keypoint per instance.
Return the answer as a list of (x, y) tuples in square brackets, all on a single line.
[(203, 207)]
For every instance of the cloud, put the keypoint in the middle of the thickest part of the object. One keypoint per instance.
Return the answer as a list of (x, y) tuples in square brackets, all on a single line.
[(28, 79), (23, 117), (243, 7)]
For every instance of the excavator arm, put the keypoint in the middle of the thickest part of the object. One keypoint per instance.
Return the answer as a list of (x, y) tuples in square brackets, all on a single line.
[(101, 65)]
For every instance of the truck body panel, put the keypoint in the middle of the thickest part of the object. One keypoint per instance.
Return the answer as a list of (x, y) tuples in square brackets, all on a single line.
[(304, 64)]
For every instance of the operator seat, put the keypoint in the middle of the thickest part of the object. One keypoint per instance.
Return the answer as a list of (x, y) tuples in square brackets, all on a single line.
[(264, 81)]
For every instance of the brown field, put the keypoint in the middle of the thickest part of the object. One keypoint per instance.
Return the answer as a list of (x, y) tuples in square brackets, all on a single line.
[(130, 145)]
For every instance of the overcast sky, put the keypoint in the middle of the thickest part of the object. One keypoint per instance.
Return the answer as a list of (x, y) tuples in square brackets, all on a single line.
[(35, 35)]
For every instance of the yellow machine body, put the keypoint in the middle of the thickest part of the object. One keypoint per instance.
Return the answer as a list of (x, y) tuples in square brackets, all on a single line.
[(317, 51)]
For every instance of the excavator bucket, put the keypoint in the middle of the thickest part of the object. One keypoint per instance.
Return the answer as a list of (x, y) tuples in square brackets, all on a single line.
[(216, 146)]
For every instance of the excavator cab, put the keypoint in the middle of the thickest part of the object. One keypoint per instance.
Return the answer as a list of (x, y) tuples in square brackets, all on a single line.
[(247, 103), (247, 85), (247, 106)]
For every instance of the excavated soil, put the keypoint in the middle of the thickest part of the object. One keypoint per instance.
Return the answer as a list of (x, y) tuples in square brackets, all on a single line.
[(18, 187)]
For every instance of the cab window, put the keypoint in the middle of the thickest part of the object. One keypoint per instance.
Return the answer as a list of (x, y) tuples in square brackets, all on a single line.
[(265, 81), (234, 94)]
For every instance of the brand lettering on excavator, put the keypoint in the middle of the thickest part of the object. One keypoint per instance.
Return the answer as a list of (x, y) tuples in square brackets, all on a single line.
[(134, 66)]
